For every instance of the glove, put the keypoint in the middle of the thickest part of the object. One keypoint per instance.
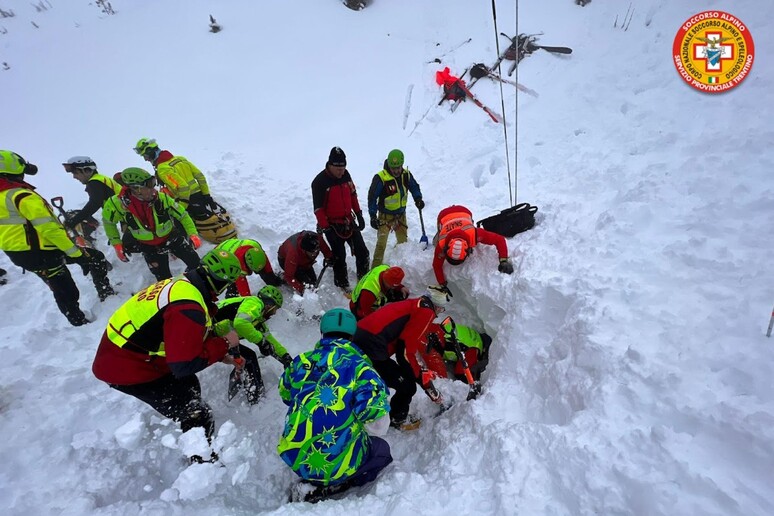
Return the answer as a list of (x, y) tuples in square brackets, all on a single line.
[(374, 222), (360, 221), (210, 202), (286, 360), (505, 266), (433, 342), (419, 203), (120, 252), (265, 347), (320, 229), (443, 287), (196, 242), (426, 378), (329, 262)]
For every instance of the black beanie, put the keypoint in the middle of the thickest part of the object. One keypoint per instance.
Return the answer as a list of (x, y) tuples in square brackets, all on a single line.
[(337, 158)]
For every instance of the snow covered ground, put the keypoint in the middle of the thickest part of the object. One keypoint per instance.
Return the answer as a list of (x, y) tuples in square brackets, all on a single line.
[(630, 370)]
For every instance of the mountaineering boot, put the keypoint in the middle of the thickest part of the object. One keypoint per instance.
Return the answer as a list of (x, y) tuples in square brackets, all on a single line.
[(411, 422)]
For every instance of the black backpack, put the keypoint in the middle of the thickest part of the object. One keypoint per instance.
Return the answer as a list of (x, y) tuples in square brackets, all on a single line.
[(511, 221)]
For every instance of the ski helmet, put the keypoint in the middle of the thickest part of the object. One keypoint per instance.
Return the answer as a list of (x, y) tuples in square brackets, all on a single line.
[(255, 259), (338, 320), (11, 163), (457, 251), (77, 163), (395, 158), (392, 277), (272, 295), (135, 176), (440, 296), (222, 265), (144, 144)]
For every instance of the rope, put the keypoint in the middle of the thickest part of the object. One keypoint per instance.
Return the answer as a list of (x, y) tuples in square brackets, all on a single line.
[(502, 104)]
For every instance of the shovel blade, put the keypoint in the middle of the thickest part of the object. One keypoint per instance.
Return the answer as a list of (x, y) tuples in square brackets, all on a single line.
[(424, 240), (234, 384), (474, 391)]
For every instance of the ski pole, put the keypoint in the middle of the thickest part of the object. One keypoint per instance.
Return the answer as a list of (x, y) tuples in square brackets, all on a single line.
[(423, 239), (771, 324)]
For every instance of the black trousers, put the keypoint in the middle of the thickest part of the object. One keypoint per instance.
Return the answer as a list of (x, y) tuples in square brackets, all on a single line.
[(399, 376), (157, 256), (179, 399), (339, 247), (50, 266)]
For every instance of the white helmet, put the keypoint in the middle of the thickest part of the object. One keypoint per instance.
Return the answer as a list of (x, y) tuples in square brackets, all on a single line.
[(439, 295), (79, 163)]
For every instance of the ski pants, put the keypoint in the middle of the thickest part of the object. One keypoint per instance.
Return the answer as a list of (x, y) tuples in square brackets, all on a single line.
[(399, 376), (387, 224), (378, 458), (179, 399), (338, 246), (50, 266), (157, 256)]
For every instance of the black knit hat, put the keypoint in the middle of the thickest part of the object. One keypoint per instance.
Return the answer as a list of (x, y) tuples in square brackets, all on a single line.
[(337, 158)]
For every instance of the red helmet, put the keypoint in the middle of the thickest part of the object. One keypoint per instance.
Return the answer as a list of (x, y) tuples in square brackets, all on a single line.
[(392, 277), (456, 251)]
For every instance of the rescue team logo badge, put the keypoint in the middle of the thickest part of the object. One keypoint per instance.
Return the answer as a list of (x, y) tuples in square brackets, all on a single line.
[(713, 51)]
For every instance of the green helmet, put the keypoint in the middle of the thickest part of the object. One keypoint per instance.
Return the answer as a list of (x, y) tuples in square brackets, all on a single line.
[(255, 259), (12, 163), (143, 144), (272, 294), (395, 158), (222, 265), (135, 176), (338, 320)]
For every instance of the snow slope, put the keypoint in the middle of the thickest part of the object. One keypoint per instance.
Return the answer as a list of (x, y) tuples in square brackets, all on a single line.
[(630, 371)]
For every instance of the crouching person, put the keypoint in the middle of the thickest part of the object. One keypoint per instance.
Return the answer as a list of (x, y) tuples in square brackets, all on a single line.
[(248, 317), (335, 399), (158, 340)]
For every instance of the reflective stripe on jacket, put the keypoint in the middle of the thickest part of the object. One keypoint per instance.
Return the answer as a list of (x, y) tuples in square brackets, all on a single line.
[(141, 307)]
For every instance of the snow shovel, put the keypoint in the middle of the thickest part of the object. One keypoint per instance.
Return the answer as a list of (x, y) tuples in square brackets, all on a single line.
[(77, 238), (450, 328), (771, 324), (423, 239)]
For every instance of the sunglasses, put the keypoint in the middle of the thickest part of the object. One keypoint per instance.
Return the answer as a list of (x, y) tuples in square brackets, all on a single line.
[(72, 169), (150, 183), (269, 310)]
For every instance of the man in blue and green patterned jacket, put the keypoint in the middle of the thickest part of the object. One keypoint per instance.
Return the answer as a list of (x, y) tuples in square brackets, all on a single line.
[(335, 399)]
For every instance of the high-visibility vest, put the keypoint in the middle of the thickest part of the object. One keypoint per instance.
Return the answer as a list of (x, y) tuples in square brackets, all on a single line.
[(107, 181), (396, 200), (141, 307), (468, 339), (371, 282), (457, 221), (39, 230)]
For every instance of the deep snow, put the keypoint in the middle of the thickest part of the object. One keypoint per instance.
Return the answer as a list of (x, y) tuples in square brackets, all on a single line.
[(630, 370)]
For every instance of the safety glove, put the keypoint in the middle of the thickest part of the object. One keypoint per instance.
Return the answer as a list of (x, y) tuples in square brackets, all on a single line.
[(360, 221), (374, 222), (120, 252), (505, 266), (196, 242), (286, 360), (329, 262), (419, 203)]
